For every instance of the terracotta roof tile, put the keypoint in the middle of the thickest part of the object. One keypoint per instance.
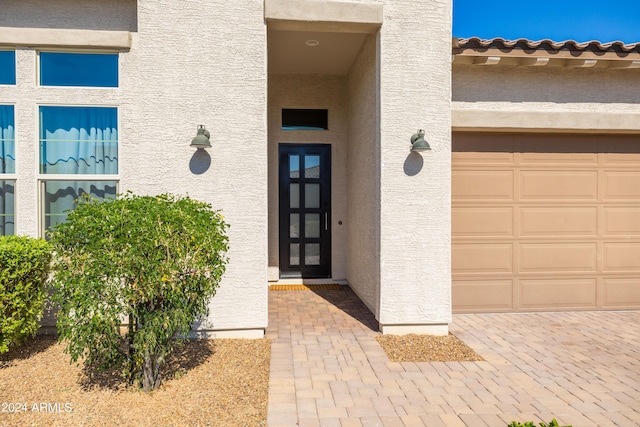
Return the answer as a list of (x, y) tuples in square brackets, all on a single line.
[(593, 46)]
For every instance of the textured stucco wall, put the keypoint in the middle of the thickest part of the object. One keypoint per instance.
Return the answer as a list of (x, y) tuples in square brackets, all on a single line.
[(415, 72), (311, 91), (549, 85), (171, 80), (547, 97), (69, 14), (363, 176), (205, 63)]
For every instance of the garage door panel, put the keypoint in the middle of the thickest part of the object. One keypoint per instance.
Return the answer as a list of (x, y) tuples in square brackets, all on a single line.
[(558, 257), (559, 159), (559, 185), (483, 295), (482, 185), (622, 293), (621, 151), (558, 221), (482, 221), (621, 185), (622, 257), (558, 294), (487, 157), (621, 221), (622, 159), (484, 258)]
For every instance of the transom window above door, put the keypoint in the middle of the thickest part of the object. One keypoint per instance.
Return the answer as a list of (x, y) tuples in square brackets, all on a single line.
[(305, 119)]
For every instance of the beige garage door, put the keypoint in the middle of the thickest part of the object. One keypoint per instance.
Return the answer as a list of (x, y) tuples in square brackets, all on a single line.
[(545, 222)]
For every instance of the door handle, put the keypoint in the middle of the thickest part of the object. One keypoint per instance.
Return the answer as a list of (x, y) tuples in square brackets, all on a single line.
[(326, 221)]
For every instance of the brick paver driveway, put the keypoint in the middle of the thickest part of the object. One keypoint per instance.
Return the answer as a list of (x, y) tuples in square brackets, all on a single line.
[(327, 369)]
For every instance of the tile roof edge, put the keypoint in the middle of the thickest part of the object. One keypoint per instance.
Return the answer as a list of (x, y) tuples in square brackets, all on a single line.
[(499, 42)]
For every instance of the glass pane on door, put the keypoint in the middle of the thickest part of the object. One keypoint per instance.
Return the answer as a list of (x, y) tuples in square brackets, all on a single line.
[(294, 254), (312, 196), (312, 226), (294, 166), (311, 166), (312, 254), (294, 196), (294, 226)]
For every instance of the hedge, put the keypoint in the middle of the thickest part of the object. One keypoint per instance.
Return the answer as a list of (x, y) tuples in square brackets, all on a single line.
[(24, 268)]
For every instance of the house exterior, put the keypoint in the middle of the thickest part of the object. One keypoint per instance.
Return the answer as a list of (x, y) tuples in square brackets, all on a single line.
[(312, 106)]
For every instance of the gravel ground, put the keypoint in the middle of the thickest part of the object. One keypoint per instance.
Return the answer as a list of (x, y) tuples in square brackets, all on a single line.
[(207, 383), (426, 348)]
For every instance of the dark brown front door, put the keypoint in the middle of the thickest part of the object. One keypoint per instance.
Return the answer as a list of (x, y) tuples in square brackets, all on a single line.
[(305, 210)]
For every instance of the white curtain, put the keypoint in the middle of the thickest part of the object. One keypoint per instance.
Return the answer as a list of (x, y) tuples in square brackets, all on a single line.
[(7, 142), (78, 140)]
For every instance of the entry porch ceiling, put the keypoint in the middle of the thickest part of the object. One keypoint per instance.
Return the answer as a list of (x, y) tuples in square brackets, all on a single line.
[(289, 51)]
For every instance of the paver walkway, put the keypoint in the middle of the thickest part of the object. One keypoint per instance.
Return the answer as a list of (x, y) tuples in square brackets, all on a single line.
[(327, 369)]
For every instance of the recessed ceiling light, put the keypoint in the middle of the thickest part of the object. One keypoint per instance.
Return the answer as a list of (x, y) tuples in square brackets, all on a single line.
[(312, 43)]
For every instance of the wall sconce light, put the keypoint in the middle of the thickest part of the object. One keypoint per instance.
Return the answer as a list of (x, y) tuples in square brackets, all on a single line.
[(418, 143), (201, 140)]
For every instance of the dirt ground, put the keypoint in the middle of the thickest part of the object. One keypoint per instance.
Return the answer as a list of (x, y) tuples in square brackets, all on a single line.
[(426, 348), (207, 383)]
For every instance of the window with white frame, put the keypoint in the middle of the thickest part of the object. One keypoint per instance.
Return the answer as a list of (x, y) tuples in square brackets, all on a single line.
[(78, 145), (7, 170)]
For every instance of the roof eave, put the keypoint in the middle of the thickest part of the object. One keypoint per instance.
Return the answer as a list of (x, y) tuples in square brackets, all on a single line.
[(545, 52)]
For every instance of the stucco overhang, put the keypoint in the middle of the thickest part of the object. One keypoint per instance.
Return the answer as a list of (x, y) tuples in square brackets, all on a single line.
[(54, 37), (524, 52), (483, 120), (309, 15)]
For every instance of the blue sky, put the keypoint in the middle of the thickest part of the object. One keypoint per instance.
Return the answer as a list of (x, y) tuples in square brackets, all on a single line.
[(547, 19)]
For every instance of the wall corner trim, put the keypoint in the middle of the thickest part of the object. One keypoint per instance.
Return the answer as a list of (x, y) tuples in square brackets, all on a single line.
[(54, 37)]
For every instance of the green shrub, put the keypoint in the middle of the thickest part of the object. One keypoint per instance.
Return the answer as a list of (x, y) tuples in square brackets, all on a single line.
[(152, 263), (553, 423), (24, 268)]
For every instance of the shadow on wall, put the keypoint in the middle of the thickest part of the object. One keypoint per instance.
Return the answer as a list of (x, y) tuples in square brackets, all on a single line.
[(200, 162), (413, 164)]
